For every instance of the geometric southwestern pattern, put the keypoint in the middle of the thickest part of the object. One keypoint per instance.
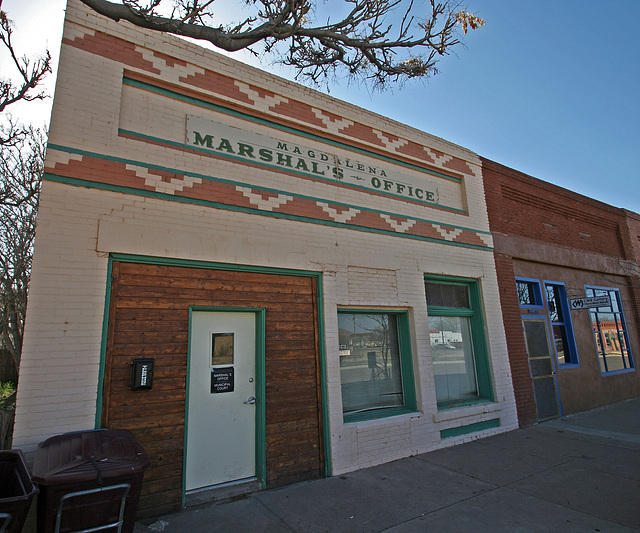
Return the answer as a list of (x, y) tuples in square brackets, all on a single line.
[(259, 101), (397, 225), (265, 202), (342, 216), (160, 184), (448, 235), (92, 170)]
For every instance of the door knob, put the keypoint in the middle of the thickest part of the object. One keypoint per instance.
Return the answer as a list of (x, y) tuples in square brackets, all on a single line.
[(250, 400)]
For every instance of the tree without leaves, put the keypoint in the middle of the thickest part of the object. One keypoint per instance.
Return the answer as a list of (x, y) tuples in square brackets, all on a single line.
[(21, 166), (19, 174), (29, 75), (379, 40)]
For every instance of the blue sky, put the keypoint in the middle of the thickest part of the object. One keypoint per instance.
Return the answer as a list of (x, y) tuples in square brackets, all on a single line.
[(547, 87)]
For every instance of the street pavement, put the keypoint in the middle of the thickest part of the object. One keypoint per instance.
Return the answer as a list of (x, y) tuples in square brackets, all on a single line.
[(580, 473)]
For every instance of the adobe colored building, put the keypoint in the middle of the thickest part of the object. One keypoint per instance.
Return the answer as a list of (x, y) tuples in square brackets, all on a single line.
[(262, 283), (555, 252)]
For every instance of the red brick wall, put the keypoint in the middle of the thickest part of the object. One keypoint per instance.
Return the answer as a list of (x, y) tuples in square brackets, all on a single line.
[(530, 210), (516, 346), (633, 245), (520, 205)]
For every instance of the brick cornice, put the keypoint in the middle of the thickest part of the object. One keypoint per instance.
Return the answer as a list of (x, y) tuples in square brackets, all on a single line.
[(537, 252)]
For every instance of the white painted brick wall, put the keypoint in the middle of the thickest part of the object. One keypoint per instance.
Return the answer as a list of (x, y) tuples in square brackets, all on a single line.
[(79, 227), (65, 315)]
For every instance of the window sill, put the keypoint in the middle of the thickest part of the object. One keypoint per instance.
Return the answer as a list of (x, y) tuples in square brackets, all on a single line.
[(467, 410), (565, 366), (454, 404), (614, 372), (376, 414), (532, 307)]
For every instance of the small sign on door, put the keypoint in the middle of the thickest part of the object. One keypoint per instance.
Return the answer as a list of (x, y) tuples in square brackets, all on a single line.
[(221, 380)]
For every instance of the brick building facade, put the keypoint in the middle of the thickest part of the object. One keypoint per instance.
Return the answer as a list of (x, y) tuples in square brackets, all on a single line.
[(551, 246), (321, 274)]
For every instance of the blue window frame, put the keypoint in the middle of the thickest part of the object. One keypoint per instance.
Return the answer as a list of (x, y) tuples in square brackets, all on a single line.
[(554, 300), (529, 292), (610, 332), (561, 326)]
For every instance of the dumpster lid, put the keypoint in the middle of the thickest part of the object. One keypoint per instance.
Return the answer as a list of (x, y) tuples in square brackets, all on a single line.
[(87, 456)]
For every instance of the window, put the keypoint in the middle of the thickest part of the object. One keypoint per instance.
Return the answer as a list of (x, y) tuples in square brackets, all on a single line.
[(458, 346), (376, 371), (529, 294), (610, 332), (561, 326)]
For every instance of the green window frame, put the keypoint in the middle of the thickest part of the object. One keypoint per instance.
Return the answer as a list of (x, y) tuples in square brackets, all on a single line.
[(459, 298), (372, 353)]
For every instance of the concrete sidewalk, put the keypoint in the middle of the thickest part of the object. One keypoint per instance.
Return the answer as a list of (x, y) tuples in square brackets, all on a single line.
[(576, 474)]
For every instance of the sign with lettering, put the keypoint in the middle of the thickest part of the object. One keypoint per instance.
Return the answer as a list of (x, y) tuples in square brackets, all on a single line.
[(238, 144), (221, 380), (586, 303), (141, 374)]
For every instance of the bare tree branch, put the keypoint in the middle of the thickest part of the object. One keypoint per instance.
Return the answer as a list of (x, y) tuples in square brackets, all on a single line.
[(378, 40), (30, 73), (21, 167), (19, 174), (20, 164)]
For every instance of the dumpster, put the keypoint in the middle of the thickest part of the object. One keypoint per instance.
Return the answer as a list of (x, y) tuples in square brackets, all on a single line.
[(89, 480), (16, 491)]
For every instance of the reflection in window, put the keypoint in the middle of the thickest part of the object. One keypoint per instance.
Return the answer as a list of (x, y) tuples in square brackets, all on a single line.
[(371, 371), (447, 295), (528, 292), (458, 347), (453, 362), (561, 323), (221, 349), (555, 306), (610, 331)]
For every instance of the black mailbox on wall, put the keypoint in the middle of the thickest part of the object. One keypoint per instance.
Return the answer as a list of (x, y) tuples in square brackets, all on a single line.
[(141, 374)]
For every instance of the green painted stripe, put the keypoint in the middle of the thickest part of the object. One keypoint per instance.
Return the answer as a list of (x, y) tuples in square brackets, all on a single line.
[(261, 327), (210, 265), (288, 129), (117, 188), (186, 412), (255, 211), (277, 168), (260, 369), (92, 184), (470, 428), (103, 346), (324, 390), (261, 391)]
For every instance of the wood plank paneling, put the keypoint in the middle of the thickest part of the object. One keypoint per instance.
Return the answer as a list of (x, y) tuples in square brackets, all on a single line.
[(149, 317)]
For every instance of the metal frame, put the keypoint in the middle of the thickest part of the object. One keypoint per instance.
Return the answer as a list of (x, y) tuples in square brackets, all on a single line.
[(7, 519), (118, 524), (552, 356)]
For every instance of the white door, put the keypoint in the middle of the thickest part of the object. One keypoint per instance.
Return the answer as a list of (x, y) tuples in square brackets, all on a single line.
[(221, 435)]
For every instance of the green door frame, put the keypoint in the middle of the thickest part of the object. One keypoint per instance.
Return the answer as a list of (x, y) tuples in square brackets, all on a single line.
[(128, 258), (261, 413)]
